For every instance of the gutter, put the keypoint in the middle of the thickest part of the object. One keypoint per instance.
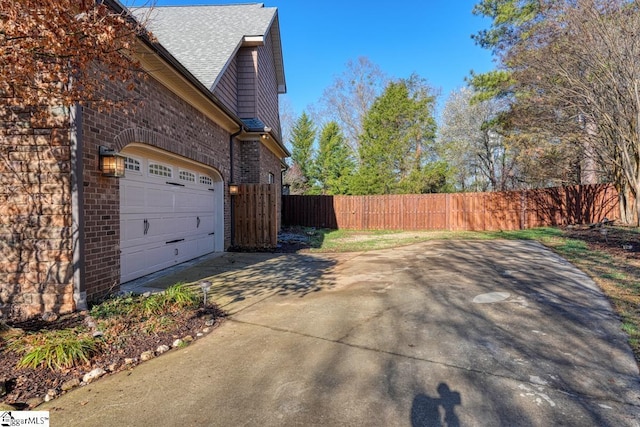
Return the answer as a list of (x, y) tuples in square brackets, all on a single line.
[(231, 180), (77, 212)]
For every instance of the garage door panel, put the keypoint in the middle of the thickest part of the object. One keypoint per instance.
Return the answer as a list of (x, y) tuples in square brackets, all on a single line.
[(164, 228), (207, 223), (132, 232), (205, 244), (161, 198), (180, 226), (163, 224), (159, 257), (186, 250), (134, 265), (193, 201), (133, 197)]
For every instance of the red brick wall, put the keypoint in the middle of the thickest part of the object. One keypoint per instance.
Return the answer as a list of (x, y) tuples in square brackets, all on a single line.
[(101, 215), (36, 269), (165, 121), (36, 273), (256, 162), (250, 162)]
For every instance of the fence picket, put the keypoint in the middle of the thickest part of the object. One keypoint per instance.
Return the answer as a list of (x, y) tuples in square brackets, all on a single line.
[(255, 217), (510, 210)]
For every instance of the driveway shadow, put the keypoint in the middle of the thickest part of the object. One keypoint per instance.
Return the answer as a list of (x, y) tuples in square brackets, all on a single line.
[(427, 411), (241, 279)]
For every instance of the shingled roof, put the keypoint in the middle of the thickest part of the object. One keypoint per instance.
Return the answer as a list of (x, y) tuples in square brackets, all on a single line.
[(204, 39)]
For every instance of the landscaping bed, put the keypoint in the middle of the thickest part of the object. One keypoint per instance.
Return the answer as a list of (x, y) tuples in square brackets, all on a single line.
[(113, 336)]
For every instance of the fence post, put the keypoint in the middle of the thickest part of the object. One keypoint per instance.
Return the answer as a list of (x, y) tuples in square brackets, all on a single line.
[(447, 214), (523, 209)]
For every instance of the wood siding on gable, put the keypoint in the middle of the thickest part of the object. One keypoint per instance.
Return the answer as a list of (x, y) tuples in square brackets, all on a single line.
[(247, 71), (227, 88), (267, 97)]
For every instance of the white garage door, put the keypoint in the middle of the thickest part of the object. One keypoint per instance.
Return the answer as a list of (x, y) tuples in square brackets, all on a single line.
[(167, 216)]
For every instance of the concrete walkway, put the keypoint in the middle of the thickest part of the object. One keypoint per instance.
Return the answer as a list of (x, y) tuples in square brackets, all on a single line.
[(457, 333)]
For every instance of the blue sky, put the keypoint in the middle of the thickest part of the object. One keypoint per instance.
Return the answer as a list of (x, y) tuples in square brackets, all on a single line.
[(430, 37)]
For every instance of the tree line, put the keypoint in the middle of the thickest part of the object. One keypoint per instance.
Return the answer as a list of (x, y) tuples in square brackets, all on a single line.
[(562, 107), (375, 135)]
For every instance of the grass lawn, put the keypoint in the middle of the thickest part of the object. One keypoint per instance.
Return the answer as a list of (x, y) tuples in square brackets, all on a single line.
[(600, 254)]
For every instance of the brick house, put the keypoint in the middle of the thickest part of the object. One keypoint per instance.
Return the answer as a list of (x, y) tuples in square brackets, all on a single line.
[(210, 118)]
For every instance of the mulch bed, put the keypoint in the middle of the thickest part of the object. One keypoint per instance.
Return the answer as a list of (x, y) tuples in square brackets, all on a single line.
[(619, 241), (26, 387)]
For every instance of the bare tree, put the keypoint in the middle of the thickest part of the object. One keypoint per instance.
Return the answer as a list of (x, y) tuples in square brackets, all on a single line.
[(470, 140), (350, 97), (578, 76), (287, 120)]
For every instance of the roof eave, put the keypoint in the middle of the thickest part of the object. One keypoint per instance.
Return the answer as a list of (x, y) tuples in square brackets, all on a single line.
[(233, 122), (277, 53), (268, 139)]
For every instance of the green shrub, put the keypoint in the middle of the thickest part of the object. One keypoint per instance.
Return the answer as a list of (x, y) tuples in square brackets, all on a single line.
[(55, 349), (181, 296), (114, 307), (178, 296)]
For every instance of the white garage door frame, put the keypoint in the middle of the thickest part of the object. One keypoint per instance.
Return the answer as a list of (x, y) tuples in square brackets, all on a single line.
[(171, 211)]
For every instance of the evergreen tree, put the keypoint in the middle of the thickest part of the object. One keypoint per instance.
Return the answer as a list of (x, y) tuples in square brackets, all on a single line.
[(397, 141), (570, 71), (334, 165), (303, 135)]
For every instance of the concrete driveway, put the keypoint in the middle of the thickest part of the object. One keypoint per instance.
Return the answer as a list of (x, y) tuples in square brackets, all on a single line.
[(457, 333)]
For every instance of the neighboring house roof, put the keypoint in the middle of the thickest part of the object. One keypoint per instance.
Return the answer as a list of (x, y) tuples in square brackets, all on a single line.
[(206, 38)]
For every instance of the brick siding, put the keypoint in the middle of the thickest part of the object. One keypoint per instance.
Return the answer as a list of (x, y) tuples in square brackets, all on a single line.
[(36, 273), (164, 121), (250, 162), (36, 242)]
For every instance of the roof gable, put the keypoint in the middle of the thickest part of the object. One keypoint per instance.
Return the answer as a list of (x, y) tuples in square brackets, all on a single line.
[(206, 38)]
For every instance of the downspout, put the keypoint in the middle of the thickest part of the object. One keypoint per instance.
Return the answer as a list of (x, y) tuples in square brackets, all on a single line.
[(231, 180), (77, 211)]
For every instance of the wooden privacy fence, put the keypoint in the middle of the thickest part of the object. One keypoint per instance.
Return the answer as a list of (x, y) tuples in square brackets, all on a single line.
[(255, 216), (511, 210)]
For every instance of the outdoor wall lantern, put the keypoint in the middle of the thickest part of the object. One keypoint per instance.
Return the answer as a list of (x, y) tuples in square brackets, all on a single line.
[(111, 163), (234, 189)]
